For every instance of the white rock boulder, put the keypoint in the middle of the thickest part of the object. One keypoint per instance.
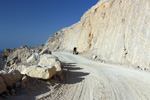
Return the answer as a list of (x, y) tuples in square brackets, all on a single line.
[(40, 72), (50, 60)]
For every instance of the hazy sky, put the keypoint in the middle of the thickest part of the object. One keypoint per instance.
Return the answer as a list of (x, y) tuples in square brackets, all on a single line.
[(31, 22)]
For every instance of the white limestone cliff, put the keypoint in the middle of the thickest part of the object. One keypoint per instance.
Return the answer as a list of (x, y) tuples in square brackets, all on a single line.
[(117, 31)]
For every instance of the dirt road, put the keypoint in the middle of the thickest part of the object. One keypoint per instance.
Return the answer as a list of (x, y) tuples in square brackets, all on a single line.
[(91, 80)]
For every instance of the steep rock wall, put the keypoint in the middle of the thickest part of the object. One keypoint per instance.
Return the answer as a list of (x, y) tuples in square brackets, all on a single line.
[(117, 31)]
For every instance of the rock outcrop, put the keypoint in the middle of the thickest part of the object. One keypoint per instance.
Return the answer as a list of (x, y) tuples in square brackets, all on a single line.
[(116, 31)]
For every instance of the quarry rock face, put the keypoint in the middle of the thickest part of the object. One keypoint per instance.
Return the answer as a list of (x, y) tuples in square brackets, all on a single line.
[(116, 31)]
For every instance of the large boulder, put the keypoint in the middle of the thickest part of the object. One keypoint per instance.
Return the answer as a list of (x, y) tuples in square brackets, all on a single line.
[(40, 72), (11, 78), (2, 85), (50, 60)]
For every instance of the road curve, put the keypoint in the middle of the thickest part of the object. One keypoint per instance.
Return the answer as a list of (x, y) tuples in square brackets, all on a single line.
[(90, 80)]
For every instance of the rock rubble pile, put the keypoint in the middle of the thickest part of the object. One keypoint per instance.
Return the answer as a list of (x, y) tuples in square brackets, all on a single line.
[(26, 62)]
